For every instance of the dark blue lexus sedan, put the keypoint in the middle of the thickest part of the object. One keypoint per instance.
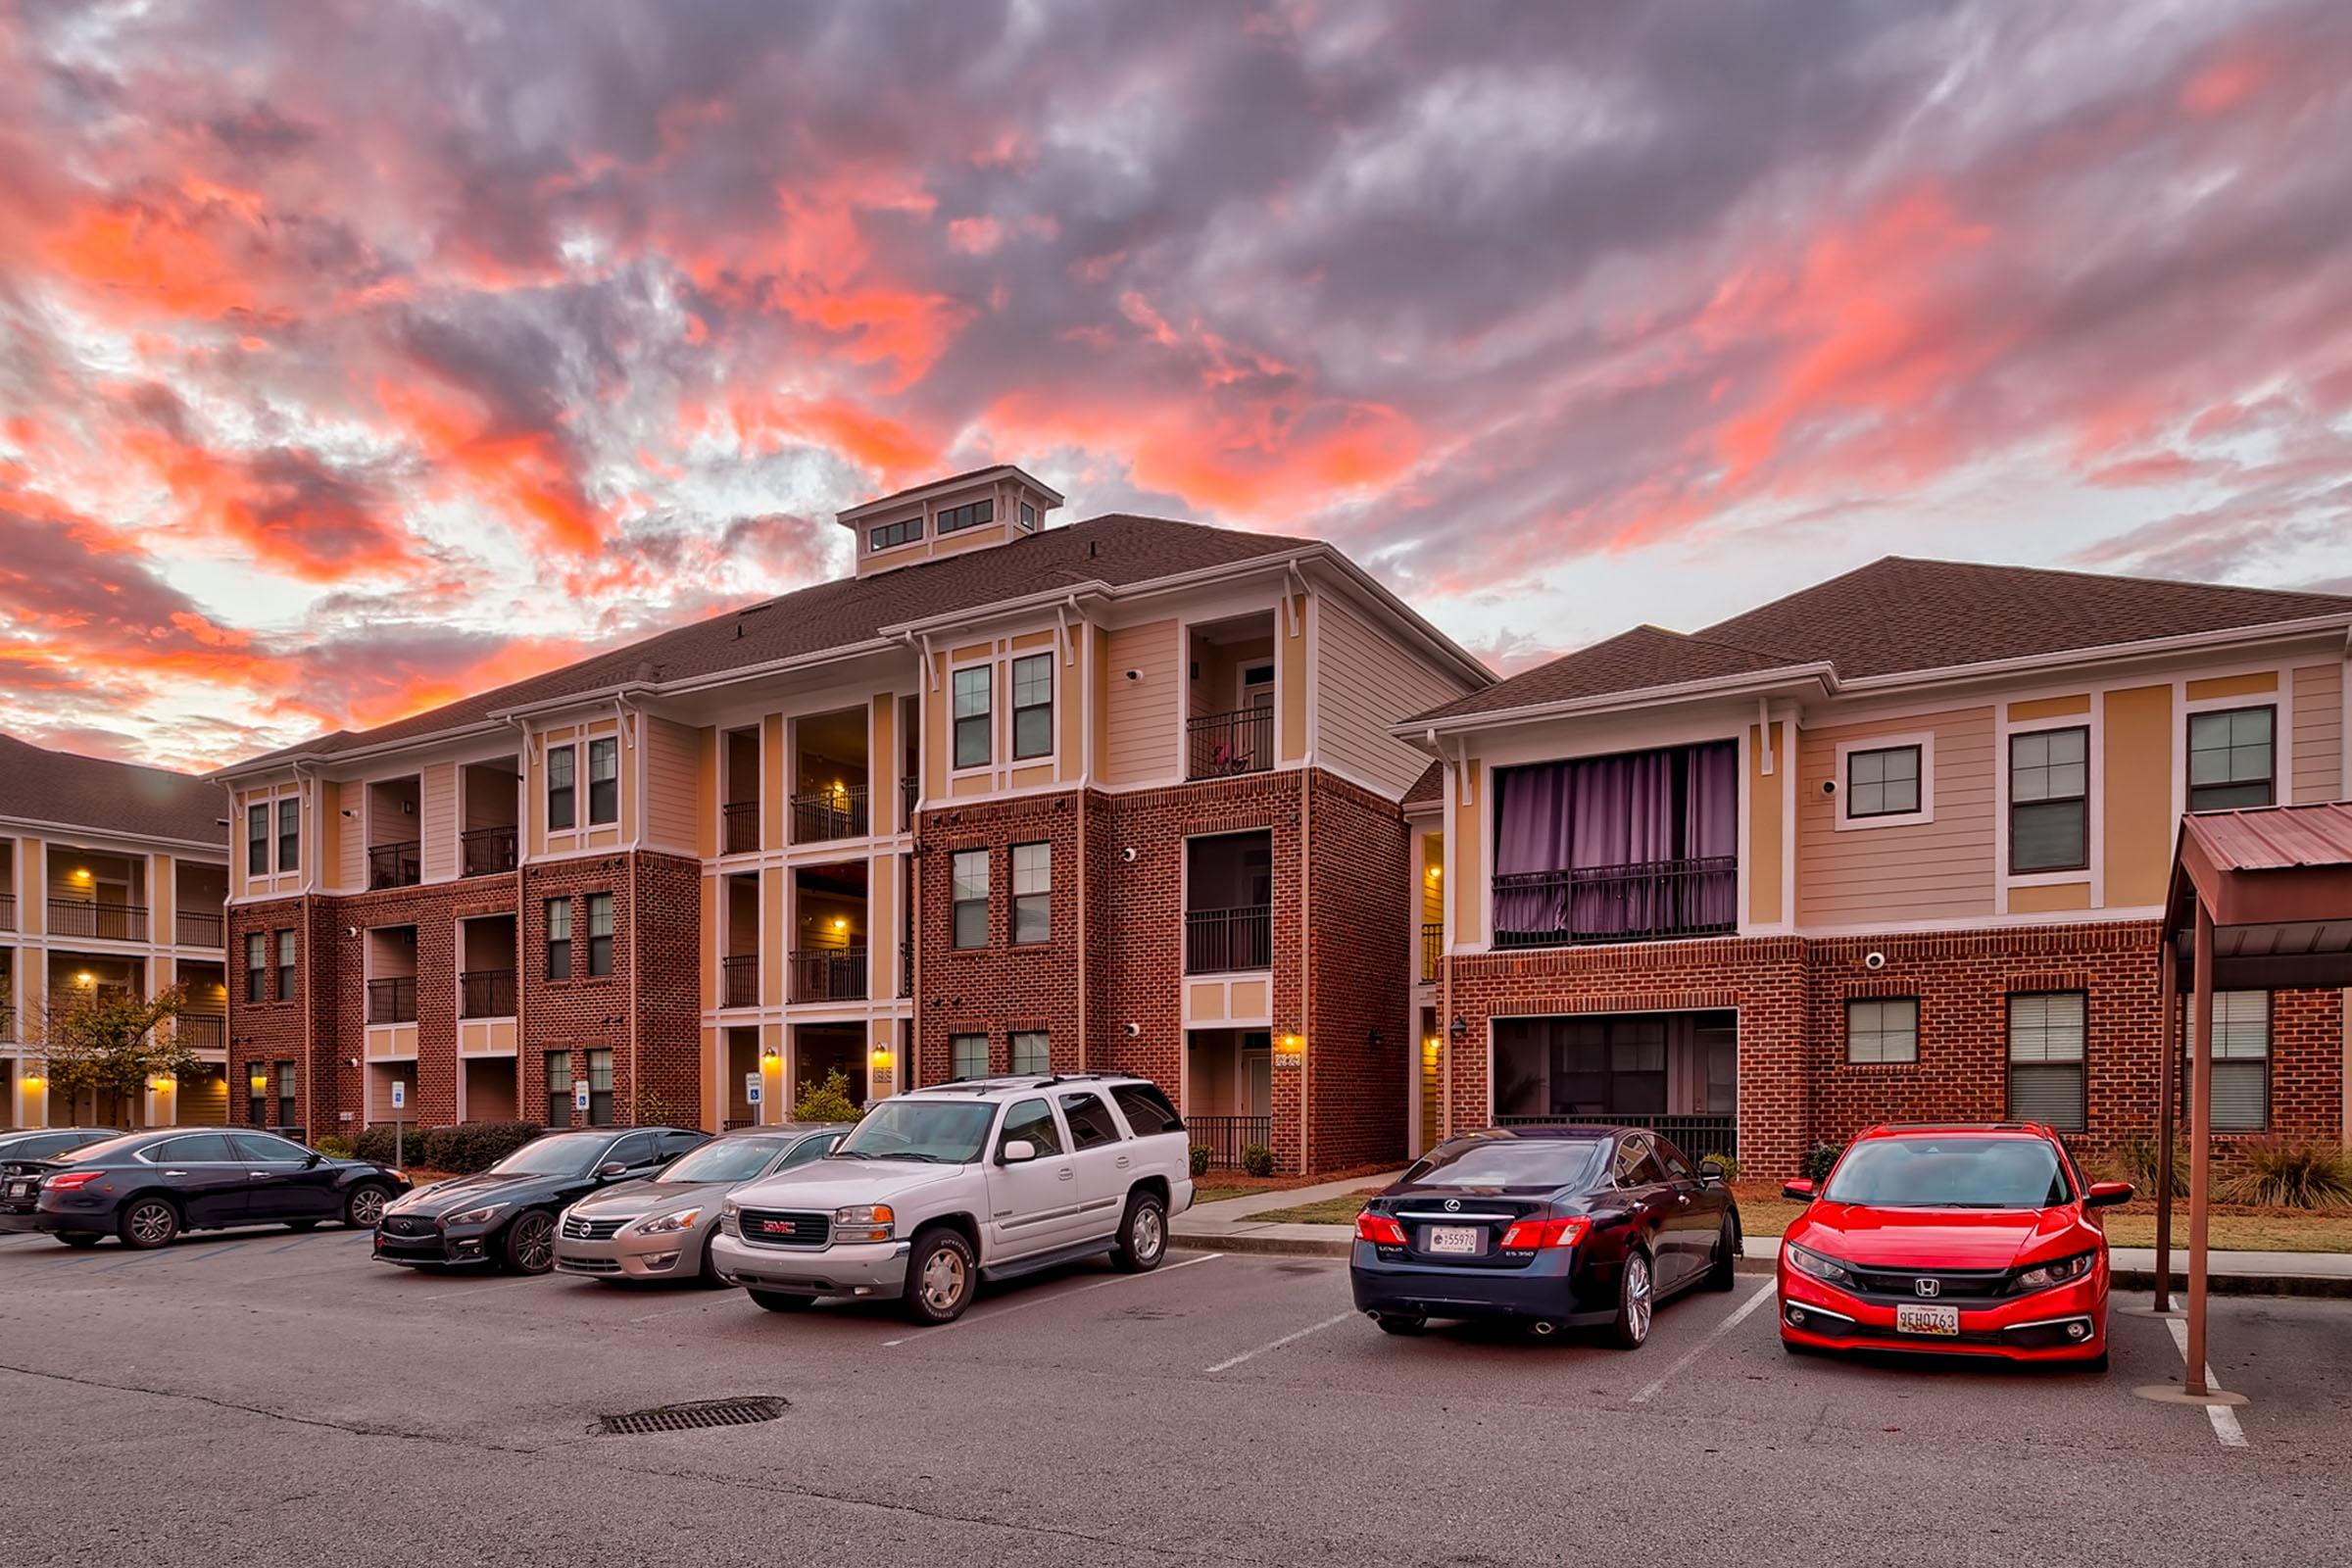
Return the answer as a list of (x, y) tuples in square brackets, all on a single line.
[(1555, 1227)]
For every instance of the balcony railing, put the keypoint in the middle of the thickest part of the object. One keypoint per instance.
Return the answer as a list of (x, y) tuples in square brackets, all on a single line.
[(1433, 944), (1695, 1136), (8, 912), (739, 822), (828, 974), (1642, 903), (1222, 744), (488, 850), (1218, 941), (1225, 1136), (911, 790), (392, 999), (739, 980), (829, 815), (394, 865), (111, 922), (199, 928), (486, 994), (203, 1031)]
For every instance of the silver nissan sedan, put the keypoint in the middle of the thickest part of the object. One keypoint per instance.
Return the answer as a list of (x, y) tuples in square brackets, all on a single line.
[(659, 1228)]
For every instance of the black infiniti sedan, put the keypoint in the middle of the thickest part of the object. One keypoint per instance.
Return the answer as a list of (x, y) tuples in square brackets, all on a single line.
[(26, 1154), (506, 1214), (147, 1188), (1555, 1227)]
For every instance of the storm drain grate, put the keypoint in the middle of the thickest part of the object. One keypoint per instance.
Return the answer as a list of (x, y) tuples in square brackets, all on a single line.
[(692, 1416)]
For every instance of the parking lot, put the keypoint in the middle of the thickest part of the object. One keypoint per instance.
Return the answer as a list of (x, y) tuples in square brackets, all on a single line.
[(267, 1397)]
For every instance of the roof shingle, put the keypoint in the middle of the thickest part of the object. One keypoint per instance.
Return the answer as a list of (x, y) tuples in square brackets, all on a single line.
[(40, 785)]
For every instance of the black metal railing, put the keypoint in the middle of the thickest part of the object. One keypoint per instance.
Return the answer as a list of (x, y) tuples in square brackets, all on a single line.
[(737, 1123), (199, 928), (488, 850), (392, 999), (1222, 744), (202, 1031), (1433, 944), (911, 790), (112, 923), (740, 821), (828, 974), (1225, 1136), (823, 814), (739, 980), (486, 994), (8, 912), (1216, 941), (1695, 1136), (394, 865), (1639, 903)]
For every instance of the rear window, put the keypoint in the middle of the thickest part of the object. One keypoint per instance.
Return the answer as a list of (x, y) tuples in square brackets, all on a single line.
[(1973, 1172), (1510, 1162), (1146, 1109)]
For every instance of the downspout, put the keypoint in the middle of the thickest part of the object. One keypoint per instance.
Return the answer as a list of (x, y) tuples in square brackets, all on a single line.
[(621, 722), (1069, 659), (310, 1016), (1764, 730), (523, 822), (1306, 972)]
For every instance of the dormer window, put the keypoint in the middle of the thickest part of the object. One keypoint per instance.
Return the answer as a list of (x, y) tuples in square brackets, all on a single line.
[(971, 514), (957, 515), (1028, 522), (904, 531)]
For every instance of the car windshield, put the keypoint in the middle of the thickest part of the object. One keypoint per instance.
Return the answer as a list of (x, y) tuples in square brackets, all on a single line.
[(939, 1132), (1951, 1173), (1508, 1162), (564, 1155), (729, 1159)]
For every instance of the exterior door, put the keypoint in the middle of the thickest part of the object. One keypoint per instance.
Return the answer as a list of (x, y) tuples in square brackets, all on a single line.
[(1257, 1073), (281, 1182), (1033, 1206), (203, 1172), (1103, 1157)]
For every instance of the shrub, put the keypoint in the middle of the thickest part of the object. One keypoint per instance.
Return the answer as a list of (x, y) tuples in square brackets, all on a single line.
[(476, 1144), (1730, 1166), (1201, 1156), (334, 1145), (1821, 1159), (1258, 1160), (826, 1101), (375, 1143), (654, 1109), (2284, 1174), (2135, 1161)]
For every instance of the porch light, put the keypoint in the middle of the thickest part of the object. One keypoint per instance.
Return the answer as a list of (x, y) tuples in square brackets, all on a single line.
[(1429, 1050), (771, 1055), (83, 977), (1434, 871), (81, 874), (882, 1057), (1461, 1027)]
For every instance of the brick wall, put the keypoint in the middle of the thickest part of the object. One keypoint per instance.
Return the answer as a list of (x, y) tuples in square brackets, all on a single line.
[(999, 988), (1360, 1033), (273, 1031)]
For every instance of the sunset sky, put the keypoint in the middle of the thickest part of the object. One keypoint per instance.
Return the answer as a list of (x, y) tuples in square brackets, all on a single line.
[(355, 355)]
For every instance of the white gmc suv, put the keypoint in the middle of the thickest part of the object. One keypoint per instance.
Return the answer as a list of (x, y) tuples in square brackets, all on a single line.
[(938, 1187)]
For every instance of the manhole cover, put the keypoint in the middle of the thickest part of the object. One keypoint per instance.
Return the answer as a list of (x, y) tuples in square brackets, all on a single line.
[(692, 1416)]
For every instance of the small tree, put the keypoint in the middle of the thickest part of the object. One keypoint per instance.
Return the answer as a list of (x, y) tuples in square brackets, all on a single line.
[(826, 1101), (652, 1108), (112, 1043)]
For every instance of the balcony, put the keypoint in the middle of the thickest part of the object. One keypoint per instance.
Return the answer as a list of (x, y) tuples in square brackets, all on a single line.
[(203, 1031), (394, 865), (741, 819), (199, 928), (487, 850), (830, 813), (392, 999), (1433, 946), (1650, 900), (1225, 1136), (1227, 744), (109, 922), (739, 980), (486, 994), (829, 974), (1692, 1135), (911, 790), (1221, 941)]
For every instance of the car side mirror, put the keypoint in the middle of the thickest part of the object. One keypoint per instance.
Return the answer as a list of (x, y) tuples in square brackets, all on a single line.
[(2106, 1195), (1017, 1151), (1711, 1170), (313, 1160), (610, 1169), (1801, 1190)]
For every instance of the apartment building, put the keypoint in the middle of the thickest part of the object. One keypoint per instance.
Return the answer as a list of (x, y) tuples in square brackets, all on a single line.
[(1117, 796), (112, 877), (1890, 848)]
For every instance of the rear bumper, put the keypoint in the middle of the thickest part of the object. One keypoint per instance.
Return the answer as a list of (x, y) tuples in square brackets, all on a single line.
[(858, 1268), (1560, 1284), (2066, 1324)]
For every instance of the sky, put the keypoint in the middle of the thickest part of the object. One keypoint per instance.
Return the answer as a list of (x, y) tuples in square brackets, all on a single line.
[(355, 355)]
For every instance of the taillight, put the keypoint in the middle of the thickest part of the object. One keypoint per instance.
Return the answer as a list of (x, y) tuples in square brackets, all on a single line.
[(1379, 1229), (72, 1180), (1526, 1234)]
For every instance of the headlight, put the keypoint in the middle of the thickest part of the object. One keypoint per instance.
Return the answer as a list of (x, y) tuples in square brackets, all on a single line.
[(864, 1222), (667, 1224), (1807, 1261), (2059, 1271), (473, 1216)]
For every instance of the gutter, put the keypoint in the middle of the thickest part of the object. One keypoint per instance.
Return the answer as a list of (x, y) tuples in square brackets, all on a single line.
[(1425, 731)]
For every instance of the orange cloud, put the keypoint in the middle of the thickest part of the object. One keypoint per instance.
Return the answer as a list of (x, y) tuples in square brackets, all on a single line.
[(520, 471)]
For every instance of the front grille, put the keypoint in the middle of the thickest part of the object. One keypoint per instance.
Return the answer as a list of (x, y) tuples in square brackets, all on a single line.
[(1954, 1286), (398, 1225), (576, 1229), (588, 1265), (773, 1227)]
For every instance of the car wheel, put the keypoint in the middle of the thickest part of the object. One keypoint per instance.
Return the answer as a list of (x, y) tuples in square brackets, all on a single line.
[(1727, 1251), (940, 1276), (150, 1222), (782, 1300), (1143, 1235), (1400, 1323), (79, 1239), (709, 1276), (364, 1209), (2097, 1363), (531, 1243), (1635, 1302)]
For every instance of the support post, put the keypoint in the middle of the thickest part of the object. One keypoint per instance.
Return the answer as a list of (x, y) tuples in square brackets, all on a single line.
[(2168, 1093), (2200, 1129)]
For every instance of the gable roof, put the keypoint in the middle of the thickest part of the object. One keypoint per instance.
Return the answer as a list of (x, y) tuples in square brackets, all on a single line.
[(40, 785), (1900, 615)]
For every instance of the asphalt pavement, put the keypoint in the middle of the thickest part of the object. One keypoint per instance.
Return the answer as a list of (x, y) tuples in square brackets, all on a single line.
[(267, 1398)]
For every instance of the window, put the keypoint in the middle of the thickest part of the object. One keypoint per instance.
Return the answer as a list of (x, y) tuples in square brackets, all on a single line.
[(268, 1149), (1882, 782), (2241, 1062), (808, 1151), (257, 841), (636, 1150), (257, 966), (599, 1088), (604, 780), (1032, 1053), (969, 904), (971, 514), (1637, 1164), (967, 1056), (1033, 706), (2049, 801), (671, 1142), (287, 1115), (2045, 1060), (257, 1095), (2230, 759), (559, 1088), (285, 967), (561, 760), (904, 531), (971, 711), (558, 939), (1028, 517), (1882, 1029), (1032, 1119), (289, 834), (599, 933), (200, 1149), (1148, 1111), (1032, 893), (1091, 1125)]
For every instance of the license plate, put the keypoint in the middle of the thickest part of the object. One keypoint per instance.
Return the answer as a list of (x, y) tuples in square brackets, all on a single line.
[(1451, 1239), (20, 1189), (1941, 1321)]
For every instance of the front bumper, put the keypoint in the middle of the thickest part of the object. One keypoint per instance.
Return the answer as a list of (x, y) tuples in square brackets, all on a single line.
[(414, 1240), (1558, 1285), (2066, 1324), (668, 1256), (855, 1268)]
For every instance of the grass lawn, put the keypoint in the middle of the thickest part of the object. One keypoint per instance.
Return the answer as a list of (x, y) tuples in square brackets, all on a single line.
[(1204, 1192), (1341, 1211)]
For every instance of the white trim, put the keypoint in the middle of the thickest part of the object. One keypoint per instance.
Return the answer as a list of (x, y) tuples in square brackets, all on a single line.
[(1925, 740), (2093, 721)]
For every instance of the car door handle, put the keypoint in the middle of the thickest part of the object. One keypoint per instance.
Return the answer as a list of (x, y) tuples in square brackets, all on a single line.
[(1066, 1174), (261, 1175), (1122, 1162), (1683, 1198), (176, 1173)]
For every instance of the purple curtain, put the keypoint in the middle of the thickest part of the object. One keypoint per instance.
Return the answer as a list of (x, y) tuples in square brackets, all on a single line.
[(1711, 830), (1624, 816), (1617, 818), (1532, 835)]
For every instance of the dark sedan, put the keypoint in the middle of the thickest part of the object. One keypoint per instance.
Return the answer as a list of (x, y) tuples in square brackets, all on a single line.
[(1555, 1227), (506, 1214), (26, 1154), (147, 1188)]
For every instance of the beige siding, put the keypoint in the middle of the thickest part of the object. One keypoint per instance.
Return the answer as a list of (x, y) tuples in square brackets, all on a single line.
[(351, 858), (2319, 739), (1927, 871), (1139, 726), (2138, 732), (1364, 683), (674, 781), (437, 823)]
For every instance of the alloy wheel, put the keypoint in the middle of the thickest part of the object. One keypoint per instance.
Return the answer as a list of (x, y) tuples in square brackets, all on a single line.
[(150, 1224), (1151, 1232), (535, 1242), (942, 1278), (368, 1207), (1637, 1298)]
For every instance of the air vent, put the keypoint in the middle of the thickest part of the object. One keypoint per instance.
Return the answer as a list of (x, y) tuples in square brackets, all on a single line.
[(692, 1416)]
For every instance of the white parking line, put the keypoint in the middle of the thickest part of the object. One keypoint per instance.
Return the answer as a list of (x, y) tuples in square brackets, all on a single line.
[(1042, 1300), (1276, 1345), (1757, 1298), (2223, 1417)]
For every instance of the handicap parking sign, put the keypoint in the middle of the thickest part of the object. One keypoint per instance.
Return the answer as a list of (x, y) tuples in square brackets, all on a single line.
[(400, 1094), (579, 1097)]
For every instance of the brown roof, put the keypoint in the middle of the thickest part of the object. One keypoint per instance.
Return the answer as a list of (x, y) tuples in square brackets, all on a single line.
[(2276, 838), (40, 785), (1428, 788), (1898, 615)]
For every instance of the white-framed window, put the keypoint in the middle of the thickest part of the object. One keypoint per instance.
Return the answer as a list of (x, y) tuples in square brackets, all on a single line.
[(604, 779), (1033, 706), (561, 790), (967, 1056), (1032, 1052), (2242, 1061), (889, 535), (972, 692), (2232, 758), (968, 899), (289, 833), (2049, 800), (1886, 781), (1882, 1029), (2046, 1073), (1032, 893)]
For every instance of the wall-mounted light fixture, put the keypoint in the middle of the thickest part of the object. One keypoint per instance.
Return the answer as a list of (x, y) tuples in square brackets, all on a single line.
[(1461, 1027)]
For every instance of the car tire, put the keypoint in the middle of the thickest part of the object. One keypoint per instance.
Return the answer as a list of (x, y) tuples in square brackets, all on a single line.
[(1637, 1301), (530, 1243), (707, 1276), (1403, 1323), (148, 1223), (1719, 1275), (79, 1240), (365, 1208), (941, 1276), (1794, 1348), (2097, 1363), (782, 1300), (1143, 1235)]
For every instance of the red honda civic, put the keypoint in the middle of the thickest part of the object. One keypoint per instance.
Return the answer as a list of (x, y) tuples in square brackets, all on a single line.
[(1976, 1239)]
